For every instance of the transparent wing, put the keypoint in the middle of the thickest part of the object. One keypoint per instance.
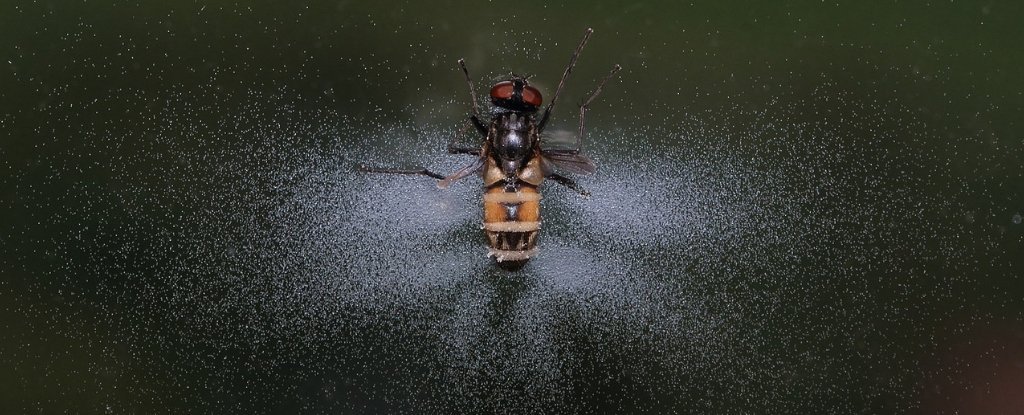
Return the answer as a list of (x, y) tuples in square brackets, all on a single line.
[(559, 139), (559, 150), (569, 160)]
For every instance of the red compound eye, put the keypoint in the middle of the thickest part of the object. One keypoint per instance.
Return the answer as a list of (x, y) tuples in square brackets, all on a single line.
[(502, 90), (531, 96), (504, 94)]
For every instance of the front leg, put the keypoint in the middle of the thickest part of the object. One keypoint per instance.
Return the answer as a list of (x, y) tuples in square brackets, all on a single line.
[(561, 82), (454, 148)]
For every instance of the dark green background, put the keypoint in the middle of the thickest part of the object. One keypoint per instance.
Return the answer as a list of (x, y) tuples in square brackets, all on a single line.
[(802, 207)]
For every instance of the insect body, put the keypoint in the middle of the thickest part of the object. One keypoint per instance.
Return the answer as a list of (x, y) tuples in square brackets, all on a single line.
[(512, 175), (513, 163)]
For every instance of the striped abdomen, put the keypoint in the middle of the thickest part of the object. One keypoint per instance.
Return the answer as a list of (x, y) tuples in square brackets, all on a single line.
[(512, 220)]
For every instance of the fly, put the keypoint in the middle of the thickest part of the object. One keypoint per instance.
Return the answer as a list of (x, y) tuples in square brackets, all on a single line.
[(513, 163)]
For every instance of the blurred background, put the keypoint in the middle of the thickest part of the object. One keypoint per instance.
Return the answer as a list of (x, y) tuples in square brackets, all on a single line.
[(800, 207)]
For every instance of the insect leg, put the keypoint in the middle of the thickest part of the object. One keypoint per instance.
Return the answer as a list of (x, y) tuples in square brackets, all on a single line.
[(472, 91), (567, 182), (561, 83), (586, 105), (465, 171), (454, 148), (474, 119), (424, 172)]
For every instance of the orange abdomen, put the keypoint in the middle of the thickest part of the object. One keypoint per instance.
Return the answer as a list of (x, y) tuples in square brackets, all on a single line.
[(512, 221)]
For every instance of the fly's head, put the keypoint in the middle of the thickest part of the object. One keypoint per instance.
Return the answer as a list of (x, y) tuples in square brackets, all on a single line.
[(516, 94)]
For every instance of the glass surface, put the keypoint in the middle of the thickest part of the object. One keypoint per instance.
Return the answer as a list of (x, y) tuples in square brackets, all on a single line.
[(800, 207)]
